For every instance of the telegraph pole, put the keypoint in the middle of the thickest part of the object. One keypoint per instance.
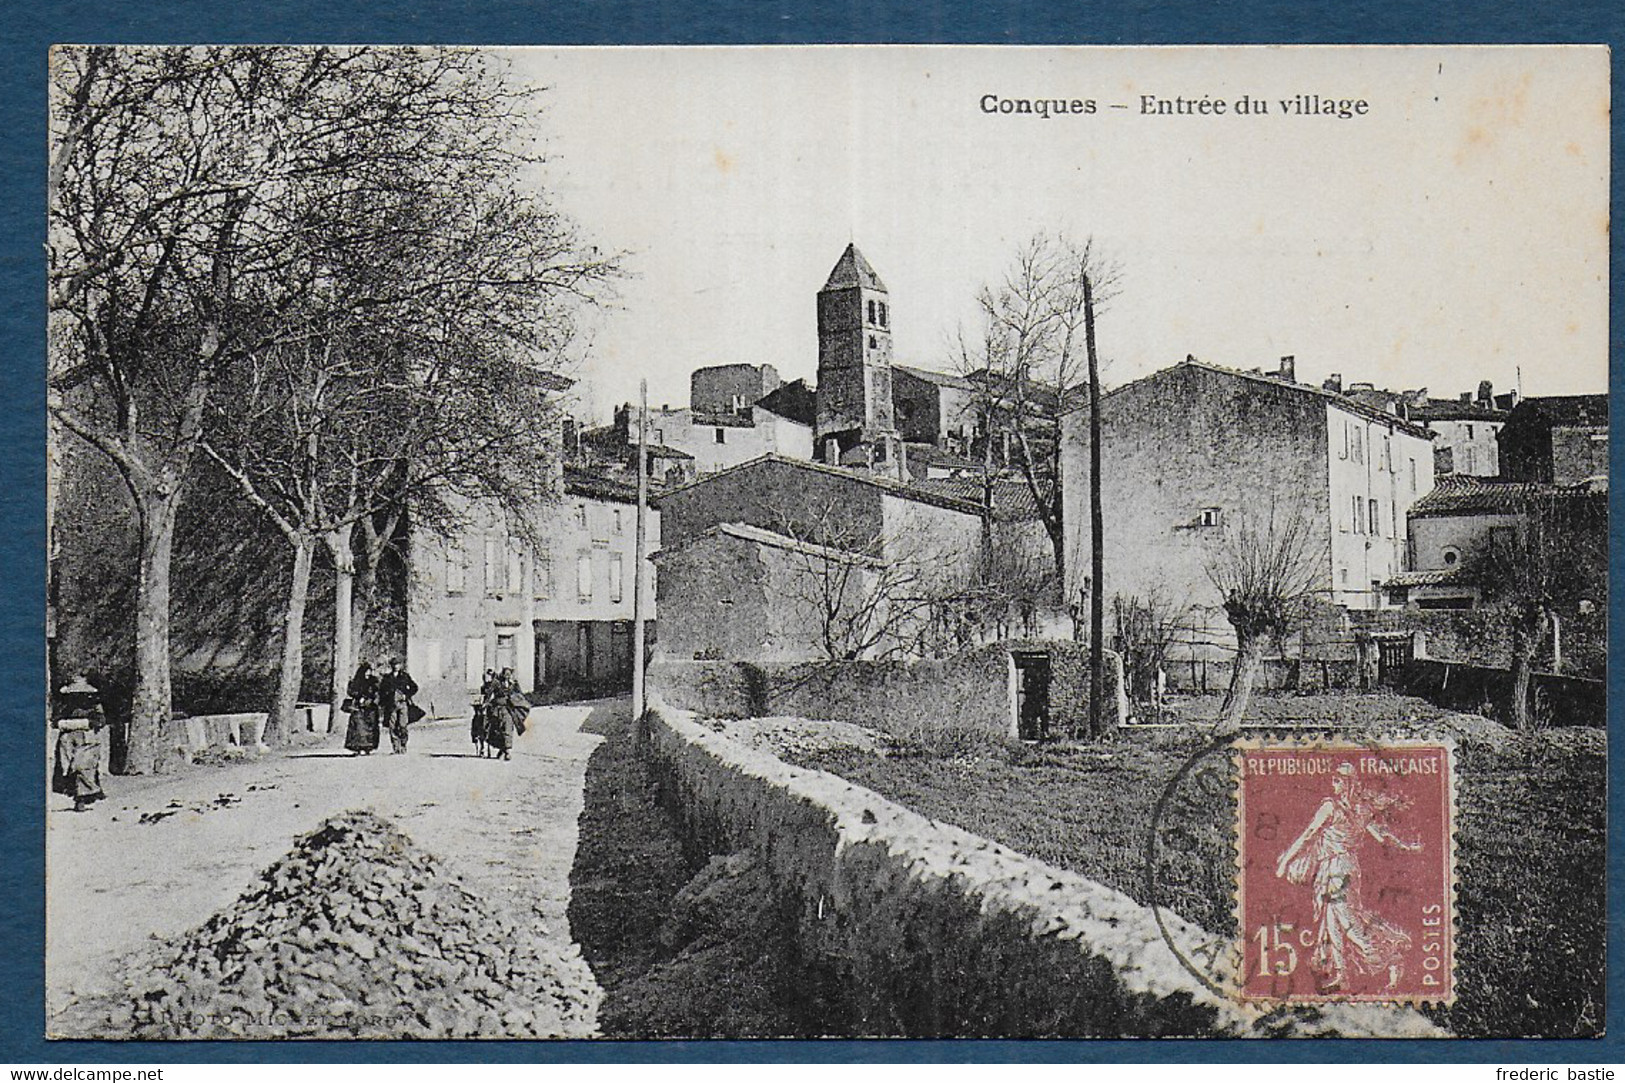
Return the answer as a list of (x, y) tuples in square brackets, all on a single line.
[(639, 699)]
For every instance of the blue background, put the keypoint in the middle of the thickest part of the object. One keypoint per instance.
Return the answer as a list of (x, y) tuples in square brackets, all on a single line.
[(30, 28)]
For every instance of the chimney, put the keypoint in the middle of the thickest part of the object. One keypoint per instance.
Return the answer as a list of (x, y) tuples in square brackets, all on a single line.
[(1289, 369), (1334, 383), (1467, 397), (1486, 393)]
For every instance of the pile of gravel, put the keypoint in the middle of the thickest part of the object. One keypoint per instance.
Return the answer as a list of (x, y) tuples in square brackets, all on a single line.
[(358, 933)]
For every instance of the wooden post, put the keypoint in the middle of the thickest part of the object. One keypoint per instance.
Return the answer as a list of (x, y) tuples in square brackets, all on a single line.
[(639, 698)]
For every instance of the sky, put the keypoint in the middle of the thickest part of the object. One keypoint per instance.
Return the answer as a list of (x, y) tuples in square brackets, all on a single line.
[(1454, 232)]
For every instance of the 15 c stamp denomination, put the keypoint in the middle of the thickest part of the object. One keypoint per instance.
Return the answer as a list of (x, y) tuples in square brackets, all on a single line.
[(1345, 872)]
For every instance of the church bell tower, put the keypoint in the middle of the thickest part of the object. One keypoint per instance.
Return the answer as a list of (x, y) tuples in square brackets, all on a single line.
[(854, 359)]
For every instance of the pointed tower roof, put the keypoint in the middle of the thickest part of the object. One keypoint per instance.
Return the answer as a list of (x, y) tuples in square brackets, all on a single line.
[(853, 270)]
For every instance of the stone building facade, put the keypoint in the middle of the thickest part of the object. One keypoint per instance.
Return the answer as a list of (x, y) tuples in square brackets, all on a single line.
[(559, 616), (1195, 449), (1562, 439)]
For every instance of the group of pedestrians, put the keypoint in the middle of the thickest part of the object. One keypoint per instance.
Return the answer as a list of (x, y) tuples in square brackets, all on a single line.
[(380, 702), (499, 714)]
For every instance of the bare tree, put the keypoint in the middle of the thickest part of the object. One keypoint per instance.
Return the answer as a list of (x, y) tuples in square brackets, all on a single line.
[(1035, 345), (1264, 563), (1534, 579), (214, 205), (1148, 626), (868, 595)]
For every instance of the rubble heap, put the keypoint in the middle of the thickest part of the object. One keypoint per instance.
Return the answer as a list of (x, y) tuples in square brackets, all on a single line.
[(358, 933)]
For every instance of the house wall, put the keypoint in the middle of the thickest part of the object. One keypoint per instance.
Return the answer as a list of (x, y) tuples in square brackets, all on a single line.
[(918, 407), (1467, 535), (733, 598), (1578, 452), (487, 619), (1474, 448), (1386, 470), (945, 543), (741, 441), (768, 494), (1176, 443)]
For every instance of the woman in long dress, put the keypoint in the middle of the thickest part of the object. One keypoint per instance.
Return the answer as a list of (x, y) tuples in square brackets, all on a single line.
[(361, 737), (505, 712), (77, 772), (1327, 855), (479, 729)]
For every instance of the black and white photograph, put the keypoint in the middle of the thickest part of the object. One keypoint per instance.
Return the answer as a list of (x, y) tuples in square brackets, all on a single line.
[(826, 542)]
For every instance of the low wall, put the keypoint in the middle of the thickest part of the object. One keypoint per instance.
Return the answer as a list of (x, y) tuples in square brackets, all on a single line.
[(1559, 700), (929, 931), (970, 693), (1202, 675)]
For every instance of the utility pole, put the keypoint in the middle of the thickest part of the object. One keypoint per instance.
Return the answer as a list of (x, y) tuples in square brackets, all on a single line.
[(1097, 578), (639, 699)]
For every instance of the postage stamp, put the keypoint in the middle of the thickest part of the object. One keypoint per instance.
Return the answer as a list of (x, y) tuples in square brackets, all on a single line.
[(1345, 871)]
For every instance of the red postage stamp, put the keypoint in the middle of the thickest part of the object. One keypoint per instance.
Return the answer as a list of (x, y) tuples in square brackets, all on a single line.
[(1345, 880)]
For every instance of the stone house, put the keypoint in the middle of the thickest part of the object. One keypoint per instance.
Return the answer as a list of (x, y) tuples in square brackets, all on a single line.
[(1193, 450), (560, 616), (1561, 439), (1453, 530)]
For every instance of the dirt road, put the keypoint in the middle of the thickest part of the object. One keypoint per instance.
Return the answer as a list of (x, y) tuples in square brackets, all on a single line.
[(162, 855)]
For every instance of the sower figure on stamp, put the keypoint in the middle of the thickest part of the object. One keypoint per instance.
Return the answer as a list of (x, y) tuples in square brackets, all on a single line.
[(395, 691), (1327, 855), (80, 720)]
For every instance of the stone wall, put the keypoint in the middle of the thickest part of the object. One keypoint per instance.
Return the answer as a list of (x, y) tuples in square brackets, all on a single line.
[(929, 700), (925, 930)]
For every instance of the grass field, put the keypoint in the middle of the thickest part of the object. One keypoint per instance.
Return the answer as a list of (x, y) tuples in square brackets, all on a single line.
[(1531, 843)]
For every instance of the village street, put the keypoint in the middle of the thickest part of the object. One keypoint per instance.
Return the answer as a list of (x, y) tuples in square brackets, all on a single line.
[(163, 854)]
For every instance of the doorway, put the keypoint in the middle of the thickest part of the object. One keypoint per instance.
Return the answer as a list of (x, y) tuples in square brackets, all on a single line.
[(1032, 695)]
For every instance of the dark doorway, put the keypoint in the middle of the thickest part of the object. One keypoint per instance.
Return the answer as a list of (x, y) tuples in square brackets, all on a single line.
[(1032, 696), (544, 648)]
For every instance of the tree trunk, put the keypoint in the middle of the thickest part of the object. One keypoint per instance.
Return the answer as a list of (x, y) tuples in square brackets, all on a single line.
[(1097, 564), (344, 626), (146, 750), (1239, 696), (1525, 642), (280, 723)]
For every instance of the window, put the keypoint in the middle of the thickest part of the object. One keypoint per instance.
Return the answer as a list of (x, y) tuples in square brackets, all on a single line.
[(1359, 447), (1450, 555), (1345, 453), (456, 568), (584, 577), (474, 661), (1209, 517), (1358, 519), (1343, 576), (882, 320), (507, 652), (1388, 454), (516, 568), (660, 436), (1472, 461), (1469, 431), (871, 312), (542, 569), (619, 526), (581, 516), (615, 572), (1393, 518), (1376, 527), (722, 436), (1413, 475), (493, 565)]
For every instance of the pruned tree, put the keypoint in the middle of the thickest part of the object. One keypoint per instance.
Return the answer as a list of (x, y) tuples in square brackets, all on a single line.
[(1556, 560), (1263, 564)]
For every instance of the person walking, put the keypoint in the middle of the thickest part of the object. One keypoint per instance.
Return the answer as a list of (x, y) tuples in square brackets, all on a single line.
[(508, 708), (480, 728), (80, 719), (395, 691), (361, 701)]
